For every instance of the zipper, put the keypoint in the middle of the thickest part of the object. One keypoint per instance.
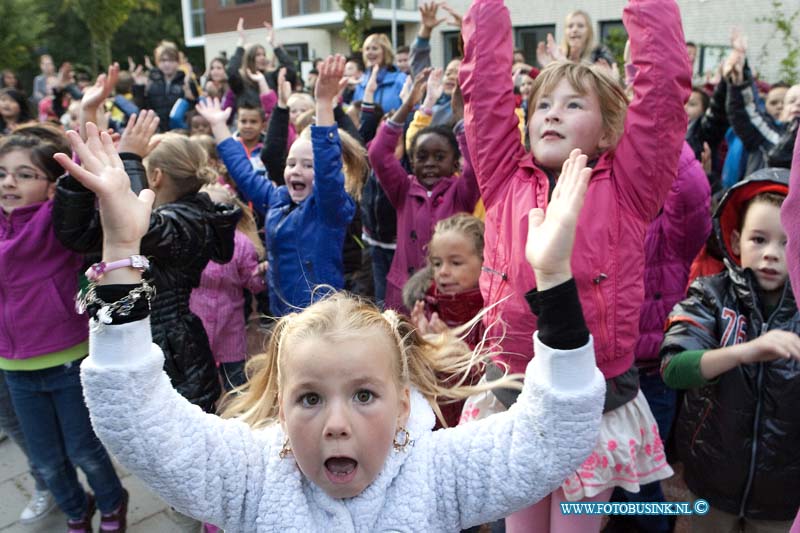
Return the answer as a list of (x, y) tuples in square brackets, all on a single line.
[(601, 307), (757, 419), (706, 412), (502, 275), (7, 320)]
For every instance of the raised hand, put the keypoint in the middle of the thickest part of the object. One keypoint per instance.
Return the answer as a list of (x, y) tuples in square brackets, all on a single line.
[(271, 39), (258, 78), (372, 84), (456, 18), (330, 82), (418, 88), (136, 139), (434, 88), (212, 111), (457, 103), (284, 89), (148, 64), (330, 78), (139, 75), (428, 18), (406, 90), (552, 235), (424, 326), (95, 95), (124, 215), (240, 31)]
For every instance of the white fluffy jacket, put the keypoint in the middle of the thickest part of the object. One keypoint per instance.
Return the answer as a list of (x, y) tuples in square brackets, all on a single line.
[(225, 473)]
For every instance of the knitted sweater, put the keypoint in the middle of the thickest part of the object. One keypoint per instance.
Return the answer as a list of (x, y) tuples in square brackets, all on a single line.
[(225, 473)]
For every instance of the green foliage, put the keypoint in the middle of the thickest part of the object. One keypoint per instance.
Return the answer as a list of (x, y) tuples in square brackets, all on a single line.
[(103, 18), (785, 25), (22, 23), (357, 20), (615, 41)]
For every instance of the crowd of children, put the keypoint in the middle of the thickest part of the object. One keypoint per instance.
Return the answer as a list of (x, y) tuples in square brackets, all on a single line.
[(487, 289)]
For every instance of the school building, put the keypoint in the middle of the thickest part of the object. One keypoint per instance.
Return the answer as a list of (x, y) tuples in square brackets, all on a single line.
[(310, 28)]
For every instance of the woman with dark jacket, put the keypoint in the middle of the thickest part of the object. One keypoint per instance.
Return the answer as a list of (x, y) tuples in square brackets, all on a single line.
[(187, 230)]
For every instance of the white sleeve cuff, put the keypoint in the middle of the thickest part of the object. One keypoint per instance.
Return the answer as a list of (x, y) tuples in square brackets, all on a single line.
[(119, 345), (563, 370)]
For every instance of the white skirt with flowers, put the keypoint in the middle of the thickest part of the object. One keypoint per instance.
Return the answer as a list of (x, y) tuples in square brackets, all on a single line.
[(629, 451)]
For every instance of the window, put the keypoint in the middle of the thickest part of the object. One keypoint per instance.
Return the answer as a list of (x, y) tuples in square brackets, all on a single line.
[(614, 36), (527, 38), (298, 52), (198, 14), (229, 3), (451, 46), (293, 8)]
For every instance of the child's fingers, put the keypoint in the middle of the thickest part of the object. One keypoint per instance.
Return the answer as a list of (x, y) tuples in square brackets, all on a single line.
[(147, 196), (86, 178), (131, 123), (110, 151), (95, 145), (84, 153)]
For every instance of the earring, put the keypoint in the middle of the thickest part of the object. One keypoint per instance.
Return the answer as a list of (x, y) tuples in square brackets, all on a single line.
[(286, 449), (402, 439)]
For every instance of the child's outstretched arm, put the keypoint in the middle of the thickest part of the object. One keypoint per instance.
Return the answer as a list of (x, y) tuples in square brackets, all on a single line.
[(336, 206), (182, 453), (790, 217), (274, 152), (390, 173), (647, 154), (255, 188), (487, 469), (75, 217), (492, 127)]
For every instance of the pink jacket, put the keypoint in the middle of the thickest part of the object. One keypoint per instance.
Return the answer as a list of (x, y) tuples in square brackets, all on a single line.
[(219, 300), (418, 209), (627, 190), (790, 217)]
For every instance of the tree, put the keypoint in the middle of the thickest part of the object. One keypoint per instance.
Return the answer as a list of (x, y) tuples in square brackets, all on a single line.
[(784, 24), (103, 18), (22, 23), (357, 20)]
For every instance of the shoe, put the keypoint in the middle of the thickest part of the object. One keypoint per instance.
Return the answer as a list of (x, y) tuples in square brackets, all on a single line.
[(114, 522), (40, 505), (84, 523)]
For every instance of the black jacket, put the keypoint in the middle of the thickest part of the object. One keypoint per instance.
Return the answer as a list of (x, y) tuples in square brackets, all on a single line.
[(738, 436), (710, 128), (160, 96), (247, 92), (183, 236)]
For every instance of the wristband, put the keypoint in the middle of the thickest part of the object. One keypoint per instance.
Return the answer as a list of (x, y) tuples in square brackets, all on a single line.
[(96, 271)]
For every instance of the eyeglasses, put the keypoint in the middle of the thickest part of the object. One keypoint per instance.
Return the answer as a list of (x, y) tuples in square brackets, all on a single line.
[(22, 174)]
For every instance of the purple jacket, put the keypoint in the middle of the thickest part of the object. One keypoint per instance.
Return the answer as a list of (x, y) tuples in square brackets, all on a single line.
[(38, 284), (673, 240), (418, 209)]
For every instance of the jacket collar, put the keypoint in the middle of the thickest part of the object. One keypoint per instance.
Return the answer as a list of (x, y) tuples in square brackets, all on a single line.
[(21, 215)]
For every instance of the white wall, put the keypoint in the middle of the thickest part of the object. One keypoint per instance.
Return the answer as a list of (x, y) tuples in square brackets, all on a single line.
[(705, 22)]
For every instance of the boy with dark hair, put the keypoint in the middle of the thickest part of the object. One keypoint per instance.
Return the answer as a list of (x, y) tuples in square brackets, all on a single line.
[(733, 344), (250, 134)]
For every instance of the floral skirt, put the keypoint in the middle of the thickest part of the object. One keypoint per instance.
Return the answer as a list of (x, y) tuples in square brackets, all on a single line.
[(629, 451)]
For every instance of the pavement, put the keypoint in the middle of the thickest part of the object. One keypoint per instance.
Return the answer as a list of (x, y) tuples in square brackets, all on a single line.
[(146, 511)]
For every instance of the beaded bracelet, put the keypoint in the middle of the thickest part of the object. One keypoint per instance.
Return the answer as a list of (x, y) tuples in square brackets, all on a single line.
[(104, 312)]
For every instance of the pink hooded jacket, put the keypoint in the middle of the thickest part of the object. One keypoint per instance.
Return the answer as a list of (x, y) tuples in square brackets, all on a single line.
[(790, 217), (628, 186), (418, 209)]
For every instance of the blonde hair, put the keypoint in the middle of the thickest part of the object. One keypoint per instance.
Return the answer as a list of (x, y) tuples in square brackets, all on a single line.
[(585, 78), (587, 45), (416, 361), (304, 120), (467, 225), (183, 160), (300, 96), (383, 41), (247, 224), (166, 47), (354, 162)]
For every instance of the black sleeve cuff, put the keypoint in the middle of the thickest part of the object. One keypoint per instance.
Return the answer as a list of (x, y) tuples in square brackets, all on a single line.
[(560, 316), (130, 156), (113, 293)]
